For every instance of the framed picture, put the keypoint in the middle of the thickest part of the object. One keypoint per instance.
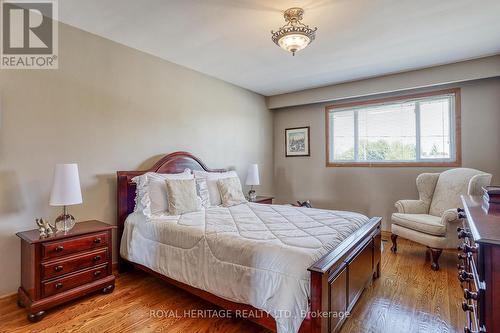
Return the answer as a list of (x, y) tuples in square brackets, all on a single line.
[(297, 142)]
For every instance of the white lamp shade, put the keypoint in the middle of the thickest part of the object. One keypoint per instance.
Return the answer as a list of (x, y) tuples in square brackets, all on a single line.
[(253, 175), (66, 187)]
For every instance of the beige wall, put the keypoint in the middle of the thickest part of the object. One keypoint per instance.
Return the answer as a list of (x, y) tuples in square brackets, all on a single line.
[(373, 191), (110, 108), (455, 73)]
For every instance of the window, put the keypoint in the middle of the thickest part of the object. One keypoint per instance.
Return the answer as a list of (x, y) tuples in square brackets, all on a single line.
[(421, 129)]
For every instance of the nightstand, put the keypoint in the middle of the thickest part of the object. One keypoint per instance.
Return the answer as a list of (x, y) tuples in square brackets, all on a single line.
[(262, 199), (64, 266)]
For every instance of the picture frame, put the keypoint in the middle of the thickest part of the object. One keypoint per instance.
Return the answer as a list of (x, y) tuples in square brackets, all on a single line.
[(297, 141)]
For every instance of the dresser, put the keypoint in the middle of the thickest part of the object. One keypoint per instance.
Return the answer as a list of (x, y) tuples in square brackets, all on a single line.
[(479, 266), (64, 266)]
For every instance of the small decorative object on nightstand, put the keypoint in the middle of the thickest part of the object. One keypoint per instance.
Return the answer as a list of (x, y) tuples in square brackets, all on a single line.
[(64, 266), (252, 180), (65, 191), (44, 227), (262, 199)]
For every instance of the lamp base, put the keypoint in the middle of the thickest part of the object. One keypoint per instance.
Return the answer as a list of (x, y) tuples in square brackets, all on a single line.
[(252, 195), (65, 222)]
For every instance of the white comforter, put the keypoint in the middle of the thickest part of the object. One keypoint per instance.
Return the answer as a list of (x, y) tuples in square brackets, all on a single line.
[(251, 253)]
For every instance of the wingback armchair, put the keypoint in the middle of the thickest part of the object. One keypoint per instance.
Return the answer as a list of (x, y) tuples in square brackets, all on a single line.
[(432, 220)]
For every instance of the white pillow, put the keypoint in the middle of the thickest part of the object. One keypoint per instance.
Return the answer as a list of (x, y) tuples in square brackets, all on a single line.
[(202, 192), (151, 191), (212, 178), (182, 196), (231, 192)]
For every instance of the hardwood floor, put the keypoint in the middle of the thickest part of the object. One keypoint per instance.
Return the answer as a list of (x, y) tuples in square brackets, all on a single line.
[(408, 297)]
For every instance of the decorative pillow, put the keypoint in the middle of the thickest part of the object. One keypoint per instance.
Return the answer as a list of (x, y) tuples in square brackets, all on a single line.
[(151, 193), (202, 190), (212, 178), (140, 193), (181, 196), (230, 191)]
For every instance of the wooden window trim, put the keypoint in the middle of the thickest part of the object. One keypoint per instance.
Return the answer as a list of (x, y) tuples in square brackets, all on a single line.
[(458, 131)]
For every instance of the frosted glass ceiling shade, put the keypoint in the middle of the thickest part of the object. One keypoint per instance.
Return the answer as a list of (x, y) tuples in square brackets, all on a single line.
[(253, 175), (294, 35), (66, 187), (294, 42)]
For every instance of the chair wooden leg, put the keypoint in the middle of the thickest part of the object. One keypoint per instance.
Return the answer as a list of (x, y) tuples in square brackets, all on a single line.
[(435, 254), (394, 247)]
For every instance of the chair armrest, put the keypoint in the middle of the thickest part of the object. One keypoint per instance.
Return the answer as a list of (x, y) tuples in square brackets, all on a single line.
[(412, 206), (449, 215)]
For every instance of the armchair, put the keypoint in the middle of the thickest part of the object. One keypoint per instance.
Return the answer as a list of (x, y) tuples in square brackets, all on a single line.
[(432, 219)]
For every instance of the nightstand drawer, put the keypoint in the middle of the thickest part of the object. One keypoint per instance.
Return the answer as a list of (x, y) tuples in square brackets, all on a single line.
[(74, 263), (266, 201), (73, 280), (263, 200), (61, 248)]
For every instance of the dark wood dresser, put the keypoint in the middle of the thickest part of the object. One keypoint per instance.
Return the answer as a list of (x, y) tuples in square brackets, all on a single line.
[(64, 266), (479, 266)]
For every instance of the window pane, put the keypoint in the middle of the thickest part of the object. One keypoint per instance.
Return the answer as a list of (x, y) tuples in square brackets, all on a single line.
[(435, 129), (387, 133), (342, 135)]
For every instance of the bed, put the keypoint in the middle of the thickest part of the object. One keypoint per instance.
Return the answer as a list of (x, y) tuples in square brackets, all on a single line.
[(299, 269)]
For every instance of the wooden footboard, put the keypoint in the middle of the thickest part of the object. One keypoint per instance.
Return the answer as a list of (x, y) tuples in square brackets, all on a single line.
[(339, 278)]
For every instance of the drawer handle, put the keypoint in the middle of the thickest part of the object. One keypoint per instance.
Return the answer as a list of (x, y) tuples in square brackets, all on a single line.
[(59, 285), (97, 273), (97, 240), (59, 248), (463, 234), (470, 249), (465, 276), (58, 268), (467, 248), (470, 294), (97, 258), (467, 307)]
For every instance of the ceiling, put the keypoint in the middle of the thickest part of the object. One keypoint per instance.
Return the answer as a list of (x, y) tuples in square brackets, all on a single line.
[(231, 39)]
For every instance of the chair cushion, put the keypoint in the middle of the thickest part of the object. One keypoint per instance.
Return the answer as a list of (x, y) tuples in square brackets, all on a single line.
[(425, 223)]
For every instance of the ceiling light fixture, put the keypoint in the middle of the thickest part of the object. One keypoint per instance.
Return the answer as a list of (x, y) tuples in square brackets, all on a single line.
[(294, 35)]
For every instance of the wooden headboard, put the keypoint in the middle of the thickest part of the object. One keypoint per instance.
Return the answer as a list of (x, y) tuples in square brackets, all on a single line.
[(175, 162)]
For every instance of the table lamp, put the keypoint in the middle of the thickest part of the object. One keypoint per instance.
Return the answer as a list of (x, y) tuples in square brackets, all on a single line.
[(65, 192), (252, 179)]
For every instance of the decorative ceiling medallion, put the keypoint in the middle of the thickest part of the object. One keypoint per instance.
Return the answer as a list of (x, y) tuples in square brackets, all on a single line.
[(294, 35)]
